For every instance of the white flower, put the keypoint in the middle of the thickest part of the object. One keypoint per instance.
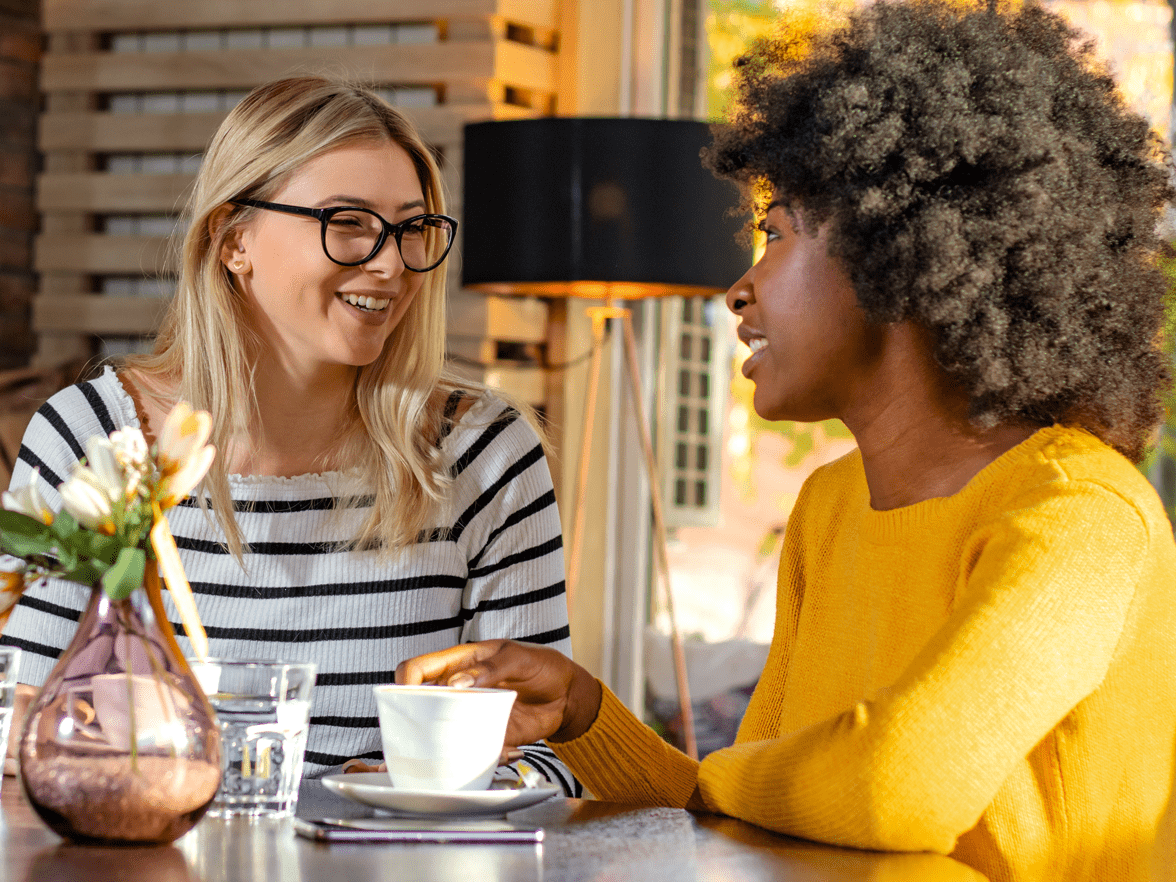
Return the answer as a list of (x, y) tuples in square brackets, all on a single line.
[(184, 455), (88, 499), (103, 462), (184, 432), (12, 586), (130, 450), (27, 501), (130, 447)]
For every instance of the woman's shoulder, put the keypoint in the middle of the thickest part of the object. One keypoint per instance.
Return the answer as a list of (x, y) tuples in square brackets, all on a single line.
[(1068, 460), (56, 435), (95, 406), (479, 420)]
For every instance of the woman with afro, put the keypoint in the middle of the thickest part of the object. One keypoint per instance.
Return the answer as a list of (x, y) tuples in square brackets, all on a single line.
[(975, 645)]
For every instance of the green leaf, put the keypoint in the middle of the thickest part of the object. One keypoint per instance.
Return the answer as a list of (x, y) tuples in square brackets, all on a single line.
[(126, 575), (67, 558), (21, 535), (64, 525), (14, 520), (87, 572), (95, 545)]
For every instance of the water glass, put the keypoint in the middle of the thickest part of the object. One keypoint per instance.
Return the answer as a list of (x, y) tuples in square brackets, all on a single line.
[(9, 662), (263, 708)]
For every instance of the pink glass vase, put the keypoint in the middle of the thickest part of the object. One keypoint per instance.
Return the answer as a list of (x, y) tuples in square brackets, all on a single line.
[(121, 746)]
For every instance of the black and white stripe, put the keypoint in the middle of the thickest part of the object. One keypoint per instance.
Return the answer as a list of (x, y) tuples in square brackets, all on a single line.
[(493, 567)]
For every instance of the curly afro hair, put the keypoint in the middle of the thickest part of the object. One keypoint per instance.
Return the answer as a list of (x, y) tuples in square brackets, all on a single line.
[(982, 177)]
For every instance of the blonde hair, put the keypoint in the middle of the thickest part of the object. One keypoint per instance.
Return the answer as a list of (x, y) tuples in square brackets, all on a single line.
[(207, 348)]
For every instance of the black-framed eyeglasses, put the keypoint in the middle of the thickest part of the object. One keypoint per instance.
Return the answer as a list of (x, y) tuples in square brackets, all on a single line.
[(352, 236)]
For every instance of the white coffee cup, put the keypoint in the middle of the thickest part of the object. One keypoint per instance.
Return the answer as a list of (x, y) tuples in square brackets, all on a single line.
[(438, 738)]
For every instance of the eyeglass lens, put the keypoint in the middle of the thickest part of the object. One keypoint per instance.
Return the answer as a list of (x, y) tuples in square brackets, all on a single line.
[(350, 237)]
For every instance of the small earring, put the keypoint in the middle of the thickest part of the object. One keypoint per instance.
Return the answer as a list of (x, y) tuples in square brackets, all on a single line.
[(238, 264)]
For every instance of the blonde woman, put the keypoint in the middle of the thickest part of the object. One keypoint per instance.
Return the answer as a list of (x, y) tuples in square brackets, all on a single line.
[(366, 506)]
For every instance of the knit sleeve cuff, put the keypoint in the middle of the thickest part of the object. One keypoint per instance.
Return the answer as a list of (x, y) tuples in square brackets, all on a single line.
[(620, 759)]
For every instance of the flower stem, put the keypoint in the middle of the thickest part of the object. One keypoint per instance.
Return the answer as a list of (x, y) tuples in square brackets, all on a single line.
[(133, 746)]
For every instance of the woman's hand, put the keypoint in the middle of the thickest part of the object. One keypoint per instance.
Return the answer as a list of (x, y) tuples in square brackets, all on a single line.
[(557, 699)]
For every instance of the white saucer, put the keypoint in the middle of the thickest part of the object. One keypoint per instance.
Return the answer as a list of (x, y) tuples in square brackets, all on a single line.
[(374, 789)]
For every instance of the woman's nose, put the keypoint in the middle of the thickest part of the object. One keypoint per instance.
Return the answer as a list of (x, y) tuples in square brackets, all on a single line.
[(387, 261), (740, 294)]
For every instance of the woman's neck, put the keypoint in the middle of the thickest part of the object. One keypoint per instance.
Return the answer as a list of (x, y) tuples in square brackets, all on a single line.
[(913, 429), (300, 423)]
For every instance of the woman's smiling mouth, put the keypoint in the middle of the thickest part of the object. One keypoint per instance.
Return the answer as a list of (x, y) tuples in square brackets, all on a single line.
[(757, 345), (369, 304)]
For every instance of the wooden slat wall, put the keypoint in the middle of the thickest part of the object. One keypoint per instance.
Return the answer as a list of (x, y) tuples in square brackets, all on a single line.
[(151, 15), (20, 50), (103, 247)]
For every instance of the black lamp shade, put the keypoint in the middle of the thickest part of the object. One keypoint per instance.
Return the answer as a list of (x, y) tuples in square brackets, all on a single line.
[(596, 207)]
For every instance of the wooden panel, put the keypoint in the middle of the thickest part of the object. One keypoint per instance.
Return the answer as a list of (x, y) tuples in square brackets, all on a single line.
[(528, 384), (476, 350), (147, 15), (98, 314), (525, 66), (102, 132), (102, 192), (56, 349), (243, 69), (175, 132), (518, 319), (92, 254), (541, 13)]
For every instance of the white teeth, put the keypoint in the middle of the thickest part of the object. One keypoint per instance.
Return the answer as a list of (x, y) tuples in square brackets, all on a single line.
[(755, 344), (365, 302)]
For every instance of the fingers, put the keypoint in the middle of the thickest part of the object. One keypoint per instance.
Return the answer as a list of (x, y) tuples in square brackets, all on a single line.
[(358, 765), (509, 755), (448, 665)]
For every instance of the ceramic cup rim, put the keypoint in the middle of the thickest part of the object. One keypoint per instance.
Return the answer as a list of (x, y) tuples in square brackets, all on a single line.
[(436, 689)]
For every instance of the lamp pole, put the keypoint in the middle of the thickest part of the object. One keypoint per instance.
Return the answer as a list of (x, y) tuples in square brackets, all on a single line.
[(600, 315)]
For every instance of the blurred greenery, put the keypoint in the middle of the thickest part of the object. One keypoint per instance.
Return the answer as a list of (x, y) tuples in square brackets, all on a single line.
[(732, 25), (1159, 466)]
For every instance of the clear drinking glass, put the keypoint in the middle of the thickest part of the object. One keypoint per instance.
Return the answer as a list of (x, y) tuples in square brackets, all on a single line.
[(9, 663), (263, 708)]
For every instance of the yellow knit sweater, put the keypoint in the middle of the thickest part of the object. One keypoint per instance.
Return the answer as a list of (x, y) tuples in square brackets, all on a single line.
[(990, 675)]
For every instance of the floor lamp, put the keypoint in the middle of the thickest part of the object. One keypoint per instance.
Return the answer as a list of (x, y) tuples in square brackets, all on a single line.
[(612, 209)]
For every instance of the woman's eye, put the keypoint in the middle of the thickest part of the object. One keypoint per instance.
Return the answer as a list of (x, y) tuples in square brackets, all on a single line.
[(417, 228), (345, 221), (768, 231)]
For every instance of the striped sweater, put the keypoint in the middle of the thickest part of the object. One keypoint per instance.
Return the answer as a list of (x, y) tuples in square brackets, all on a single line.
[(493, 568)]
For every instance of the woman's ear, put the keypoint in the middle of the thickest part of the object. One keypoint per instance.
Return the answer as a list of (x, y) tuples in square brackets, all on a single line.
[(232, 251)]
